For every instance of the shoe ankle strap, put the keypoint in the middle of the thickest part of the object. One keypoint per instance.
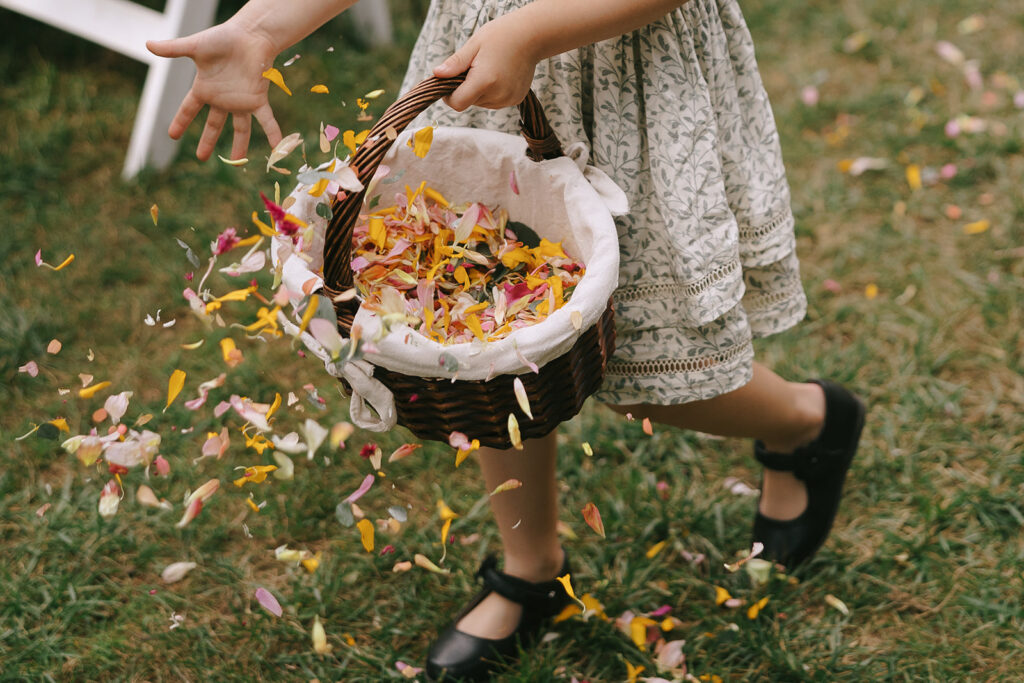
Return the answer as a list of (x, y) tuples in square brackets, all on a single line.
[(547, 597)]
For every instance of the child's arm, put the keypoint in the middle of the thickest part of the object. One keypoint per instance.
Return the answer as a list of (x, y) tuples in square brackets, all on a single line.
[(502, 55), (230, 59)]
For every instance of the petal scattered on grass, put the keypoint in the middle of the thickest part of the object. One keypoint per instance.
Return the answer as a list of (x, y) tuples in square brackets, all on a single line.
[(423, 562), (320, 645), (756, 608), (176, 571), (977, 227), (359, 492), (268, 601), (365, 527), (835, 602)]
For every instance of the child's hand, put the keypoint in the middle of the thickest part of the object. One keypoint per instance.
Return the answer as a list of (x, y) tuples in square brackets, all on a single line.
[(500, 65), (229, 62)]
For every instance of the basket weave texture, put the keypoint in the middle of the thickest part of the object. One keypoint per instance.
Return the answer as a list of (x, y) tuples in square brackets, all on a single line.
[(432, 408)]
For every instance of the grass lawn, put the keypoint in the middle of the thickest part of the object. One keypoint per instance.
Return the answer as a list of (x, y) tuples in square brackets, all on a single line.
[(915, 275)]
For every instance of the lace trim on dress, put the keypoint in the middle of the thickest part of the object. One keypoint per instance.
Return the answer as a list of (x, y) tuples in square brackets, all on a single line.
[(665, 290), (752, 233), (675, 366), (765, 300)]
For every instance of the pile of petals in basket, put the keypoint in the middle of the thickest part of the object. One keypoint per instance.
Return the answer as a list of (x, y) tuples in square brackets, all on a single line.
[(458, 272)]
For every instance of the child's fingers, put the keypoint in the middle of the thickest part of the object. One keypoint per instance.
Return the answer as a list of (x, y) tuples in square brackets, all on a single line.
[(187, 112), (208, 140), (243, 128), (458, 62), (265, 116), (176, 47)]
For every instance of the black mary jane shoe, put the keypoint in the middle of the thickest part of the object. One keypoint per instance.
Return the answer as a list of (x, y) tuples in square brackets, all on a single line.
[(458, 656), (822, 466)]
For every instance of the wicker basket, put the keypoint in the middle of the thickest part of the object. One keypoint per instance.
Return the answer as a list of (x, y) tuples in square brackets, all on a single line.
[(432, 408)]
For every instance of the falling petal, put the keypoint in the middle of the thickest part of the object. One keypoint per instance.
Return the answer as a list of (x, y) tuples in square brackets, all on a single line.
[(89, 392), (154, 211), (756, 608), (320, 89), (914, 176), (524, 401), (576, 318), (283, 149), (234, 162), (513, 432), (275, 77), (977, 227), (403, 451), (363, 488), (592, 516), (268, 601), (648, 429), (54, 347), (506, 486), (655, 549), (373, 94), (871, 291), (587, 450), (174, 386), (512, 182), (424, 562)]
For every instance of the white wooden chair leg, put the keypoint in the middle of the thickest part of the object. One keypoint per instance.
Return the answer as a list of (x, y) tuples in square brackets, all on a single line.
[(166, 84)]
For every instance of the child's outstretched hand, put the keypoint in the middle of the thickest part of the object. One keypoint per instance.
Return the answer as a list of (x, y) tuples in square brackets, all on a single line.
[(229, 62), (500, 64)]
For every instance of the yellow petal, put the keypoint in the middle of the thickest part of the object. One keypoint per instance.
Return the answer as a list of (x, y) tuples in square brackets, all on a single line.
[(655, 549), (373, 94), (154, 211), (61, 424), (234, 162), (275, 77), (378, 232), (871, 291), (754, 609), (566, 582), (89, 392), (638, 632), (445, 511), (319, 187), (721, 595), (633, 672), (319, 88), (421, 141), (311, 309), (587, 448), (174, 386), (977, 227), (366, 534), (914, 176), (274, 406), (66, 262)]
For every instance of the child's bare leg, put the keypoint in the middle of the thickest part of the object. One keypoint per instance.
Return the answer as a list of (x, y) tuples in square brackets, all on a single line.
[(527, 519), (784, 415)]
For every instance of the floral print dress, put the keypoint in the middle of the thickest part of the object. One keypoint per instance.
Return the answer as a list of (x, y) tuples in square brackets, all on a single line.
[(676, 114)]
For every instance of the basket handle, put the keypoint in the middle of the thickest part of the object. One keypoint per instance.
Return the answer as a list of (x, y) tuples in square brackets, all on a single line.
[(541, 144)]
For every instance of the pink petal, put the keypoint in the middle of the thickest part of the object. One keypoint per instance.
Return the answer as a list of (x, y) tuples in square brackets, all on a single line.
[(359, 492), (39, 257), (31, 368), (268, 601), (330, 132), (512, 182)]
